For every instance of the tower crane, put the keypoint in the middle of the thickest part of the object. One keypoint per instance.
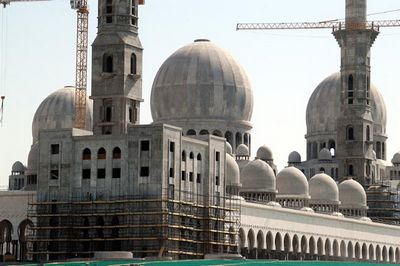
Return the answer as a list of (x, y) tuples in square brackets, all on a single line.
[(82, 10), (333, 24)]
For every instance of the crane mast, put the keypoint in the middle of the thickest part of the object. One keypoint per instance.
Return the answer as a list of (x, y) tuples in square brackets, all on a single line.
[(81, 61)]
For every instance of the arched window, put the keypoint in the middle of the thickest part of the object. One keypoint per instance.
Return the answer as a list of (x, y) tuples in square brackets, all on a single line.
[(108, 63), (133, 64), (191, 155), (217, 133), (116, 153), (204, 132), (86, 154), (350, 89), (101, 154), (350, 133), (322, 170), (199, 157), (368, 133), (183, 156)]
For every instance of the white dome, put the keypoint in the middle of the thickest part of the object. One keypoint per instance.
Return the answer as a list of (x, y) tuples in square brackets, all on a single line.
[(306, 209), (242, 150), (57, 112), (229, 148), (323, 189), (396, 158), (274, 204), (323, 108), (201, 81), (18, 167), (294, 157), (352, 195), (258, 176), (324, 155), (337, 214), (291, 181), (264, 153), (232, 171)]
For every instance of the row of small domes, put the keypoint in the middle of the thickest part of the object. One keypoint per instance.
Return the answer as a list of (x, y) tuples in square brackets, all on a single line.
[(258, 176)]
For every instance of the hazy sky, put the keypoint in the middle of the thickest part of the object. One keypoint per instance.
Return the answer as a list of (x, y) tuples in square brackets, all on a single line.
[(284, 66)]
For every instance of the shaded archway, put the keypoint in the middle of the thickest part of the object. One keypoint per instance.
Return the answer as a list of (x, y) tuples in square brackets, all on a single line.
[(229, 137), (384, 254), (278, 242), (24, 230), (371, 253), (286, 243), (6, 231), (343, 252), (260, 244), (312, 246), (204, 132), (320, 247), (378, 255), (335, 248), (191, 132), (327, 247), (303, 245), (364, 252), (397, 255), (269, 241), (350, 254), (357, 251), (242, 241), (217, 133), (295, 244), (251, 243), (391, 255)]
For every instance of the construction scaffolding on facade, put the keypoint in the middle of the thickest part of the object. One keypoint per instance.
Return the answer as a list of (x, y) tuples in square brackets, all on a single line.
[(178, 224), (384, 203)]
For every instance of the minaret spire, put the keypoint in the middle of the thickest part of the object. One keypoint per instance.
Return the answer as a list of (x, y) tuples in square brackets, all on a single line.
[(355, 123)]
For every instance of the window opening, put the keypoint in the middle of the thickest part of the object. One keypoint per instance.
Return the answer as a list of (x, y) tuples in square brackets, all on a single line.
[(55, 148)]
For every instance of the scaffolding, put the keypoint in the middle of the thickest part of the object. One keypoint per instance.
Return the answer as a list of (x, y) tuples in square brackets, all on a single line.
[(384, 203), (177, 224)]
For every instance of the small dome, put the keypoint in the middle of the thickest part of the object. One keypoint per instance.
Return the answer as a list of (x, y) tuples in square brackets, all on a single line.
[(242, 150), (365, 219), (57, 112), (264, 153), (229, 149), (18, 167), (323, 189), (258, 176), (294, 157), (306, 209), (274, 204), (324, 155), (232, 172), (396, 158), (352, 195), (291, 181), (201, 81), (337, 214)]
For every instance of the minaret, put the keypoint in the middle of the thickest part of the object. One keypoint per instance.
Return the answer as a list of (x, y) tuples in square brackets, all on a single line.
[(355, 123), (116, 68)]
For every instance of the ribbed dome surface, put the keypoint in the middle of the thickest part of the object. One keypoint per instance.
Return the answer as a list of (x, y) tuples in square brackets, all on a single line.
[(323, 188), (291, 181), (352, 195), (57, 112), (294, 157), (201, 81), (18, 167), (242, 150), (258, 176), (323, 108), (233, 172), (265, 153)]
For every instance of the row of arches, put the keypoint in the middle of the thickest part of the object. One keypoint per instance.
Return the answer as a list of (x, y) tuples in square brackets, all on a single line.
[(279, 245), (101, 154), (234, 139), (17, 248)]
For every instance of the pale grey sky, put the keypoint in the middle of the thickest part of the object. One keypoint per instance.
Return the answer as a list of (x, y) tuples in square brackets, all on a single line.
[(284, 66)]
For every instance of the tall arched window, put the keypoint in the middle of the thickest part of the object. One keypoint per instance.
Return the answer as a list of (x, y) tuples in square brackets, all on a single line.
[(133, 64), (368, 133), (86, 154), (101, 154), (108, 63), (350, 89), (108, 114), (116, 153), (199, 157), (183, 156), (191, 155), (108, 11), (350, 133)]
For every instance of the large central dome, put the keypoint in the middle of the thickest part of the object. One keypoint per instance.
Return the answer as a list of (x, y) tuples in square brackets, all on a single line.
[(201, 82)]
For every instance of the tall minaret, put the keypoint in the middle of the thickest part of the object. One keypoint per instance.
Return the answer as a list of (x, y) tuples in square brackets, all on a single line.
[(355, 123), (116, 68)]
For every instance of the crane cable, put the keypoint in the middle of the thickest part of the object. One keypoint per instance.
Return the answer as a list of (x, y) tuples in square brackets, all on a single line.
[(3, 63)]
